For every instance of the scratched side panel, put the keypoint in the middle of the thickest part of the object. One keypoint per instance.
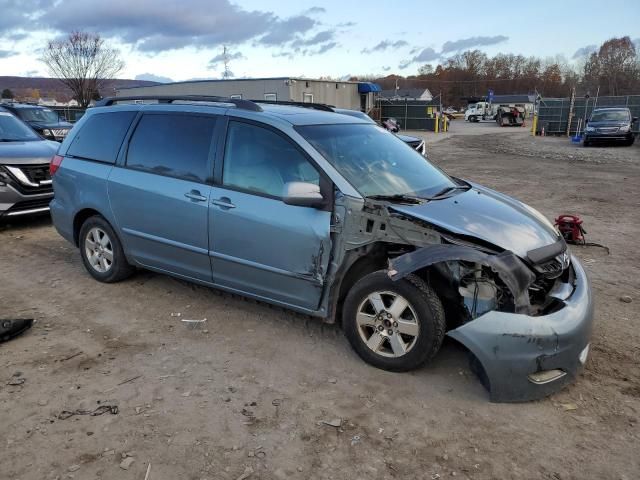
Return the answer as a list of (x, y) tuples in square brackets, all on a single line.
[(267, 248)]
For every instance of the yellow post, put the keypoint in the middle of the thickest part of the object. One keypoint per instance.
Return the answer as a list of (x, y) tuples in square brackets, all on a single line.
[(534, 124), (437, 118)]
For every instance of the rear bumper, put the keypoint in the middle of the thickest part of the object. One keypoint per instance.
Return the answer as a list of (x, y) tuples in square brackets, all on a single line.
[(14, 203), (526, 358)]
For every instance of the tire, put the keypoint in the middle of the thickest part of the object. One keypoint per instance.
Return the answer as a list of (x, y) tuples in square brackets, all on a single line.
[(108, 264), (629, 142), (586, 143), (417, 329), (473, 119)]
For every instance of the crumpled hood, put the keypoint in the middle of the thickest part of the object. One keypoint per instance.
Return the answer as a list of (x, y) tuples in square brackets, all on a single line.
[(22, 153), (490, 216)]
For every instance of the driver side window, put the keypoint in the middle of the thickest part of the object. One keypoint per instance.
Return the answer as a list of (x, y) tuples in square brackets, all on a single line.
[(260, 161)]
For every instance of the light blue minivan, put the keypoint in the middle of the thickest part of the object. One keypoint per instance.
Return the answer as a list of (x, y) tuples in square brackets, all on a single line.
[(331, 216)]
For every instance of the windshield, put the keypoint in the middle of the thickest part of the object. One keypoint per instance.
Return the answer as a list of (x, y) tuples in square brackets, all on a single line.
[(610, 116), (43, 115), (13, 130), (375, 161)]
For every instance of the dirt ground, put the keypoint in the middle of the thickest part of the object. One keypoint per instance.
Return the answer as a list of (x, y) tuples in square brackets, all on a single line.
[(245, 395)]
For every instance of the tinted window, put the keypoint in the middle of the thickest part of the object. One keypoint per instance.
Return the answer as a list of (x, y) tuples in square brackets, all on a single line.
[(259, 160), (100, 136), (175, 145), (375, 161)]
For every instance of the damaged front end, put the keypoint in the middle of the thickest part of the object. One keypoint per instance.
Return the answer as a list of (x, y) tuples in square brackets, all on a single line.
[(527, 322)]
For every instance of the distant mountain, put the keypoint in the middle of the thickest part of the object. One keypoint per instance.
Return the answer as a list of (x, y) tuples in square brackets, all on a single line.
[(41, 87)]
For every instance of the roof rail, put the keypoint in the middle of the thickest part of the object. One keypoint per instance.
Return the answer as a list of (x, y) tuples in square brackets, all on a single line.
[(315, 106), (242, 104)]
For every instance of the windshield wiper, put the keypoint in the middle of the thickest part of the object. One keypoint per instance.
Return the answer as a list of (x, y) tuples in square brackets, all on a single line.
[(446, 190), (397, 198)]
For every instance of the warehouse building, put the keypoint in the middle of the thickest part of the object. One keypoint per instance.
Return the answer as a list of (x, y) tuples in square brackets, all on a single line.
[(352, 95)]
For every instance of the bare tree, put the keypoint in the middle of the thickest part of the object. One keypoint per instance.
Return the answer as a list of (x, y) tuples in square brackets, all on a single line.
[(83, 62)]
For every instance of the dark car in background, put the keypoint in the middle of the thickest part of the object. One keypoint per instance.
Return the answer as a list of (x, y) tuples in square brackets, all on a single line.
[(610, 125), (43, 120), (25, 182)]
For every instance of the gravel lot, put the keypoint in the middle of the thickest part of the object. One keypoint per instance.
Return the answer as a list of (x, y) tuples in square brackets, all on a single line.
[(246, 394)]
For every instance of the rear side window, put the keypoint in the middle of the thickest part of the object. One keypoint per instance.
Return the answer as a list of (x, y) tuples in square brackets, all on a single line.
[(101, 136), (173, 145)]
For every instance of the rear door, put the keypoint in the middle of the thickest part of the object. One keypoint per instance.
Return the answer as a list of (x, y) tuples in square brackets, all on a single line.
[(259, 244), (160, 193)]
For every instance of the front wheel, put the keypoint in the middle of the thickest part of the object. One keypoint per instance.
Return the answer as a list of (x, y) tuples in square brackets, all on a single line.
[(393, 325), (101, 251)]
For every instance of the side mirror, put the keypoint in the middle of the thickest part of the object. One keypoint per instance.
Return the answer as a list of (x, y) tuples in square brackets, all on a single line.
[(302, 194)]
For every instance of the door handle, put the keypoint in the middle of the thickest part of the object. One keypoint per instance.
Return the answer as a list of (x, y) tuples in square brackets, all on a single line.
[(224, 203), (196, 196)]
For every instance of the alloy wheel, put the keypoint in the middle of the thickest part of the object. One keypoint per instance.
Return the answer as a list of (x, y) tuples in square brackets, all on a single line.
[(387, 324), (99, 250)]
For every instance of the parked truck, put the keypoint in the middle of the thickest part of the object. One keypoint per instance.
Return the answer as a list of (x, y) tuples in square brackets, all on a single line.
[(480, 111)]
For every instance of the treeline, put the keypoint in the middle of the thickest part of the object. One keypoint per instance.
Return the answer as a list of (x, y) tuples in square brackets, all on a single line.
[(614, 68)]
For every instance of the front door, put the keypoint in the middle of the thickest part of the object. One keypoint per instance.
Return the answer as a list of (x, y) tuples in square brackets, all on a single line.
[(259, 244), (160, 196)]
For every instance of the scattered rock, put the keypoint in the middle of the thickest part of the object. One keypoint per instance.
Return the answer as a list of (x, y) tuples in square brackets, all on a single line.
[(43, 402), (626, 299), (186, 394), (16, 381), (126, 463), (569, 406), (247, 473), (333, 380), (336, 422), (74, 468)]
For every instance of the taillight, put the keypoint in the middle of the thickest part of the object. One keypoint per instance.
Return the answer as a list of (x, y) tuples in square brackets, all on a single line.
[(55, 163)]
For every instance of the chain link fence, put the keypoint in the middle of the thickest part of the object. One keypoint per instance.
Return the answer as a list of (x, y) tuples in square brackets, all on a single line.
[(557, 116)]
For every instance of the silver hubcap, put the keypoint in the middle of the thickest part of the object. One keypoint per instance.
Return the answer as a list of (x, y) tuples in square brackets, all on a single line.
[(99, 250), (387, 324)]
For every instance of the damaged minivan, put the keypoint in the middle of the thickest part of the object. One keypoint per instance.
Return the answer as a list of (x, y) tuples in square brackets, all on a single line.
[(330, 216)]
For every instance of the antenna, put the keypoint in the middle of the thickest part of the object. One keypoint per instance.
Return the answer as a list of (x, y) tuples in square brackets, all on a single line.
[(225, 58)]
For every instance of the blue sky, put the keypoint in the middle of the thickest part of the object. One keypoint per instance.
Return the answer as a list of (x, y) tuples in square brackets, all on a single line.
[(183, 39)]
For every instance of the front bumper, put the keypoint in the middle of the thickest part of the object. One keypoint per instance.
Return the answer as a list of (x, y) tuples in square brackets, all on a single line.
[(14, 203), (608, 137), (513, 347)]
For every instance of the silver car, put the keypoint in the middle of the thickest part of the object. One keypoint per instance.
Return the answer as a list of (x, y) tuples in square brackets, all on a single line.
[(25, 183)]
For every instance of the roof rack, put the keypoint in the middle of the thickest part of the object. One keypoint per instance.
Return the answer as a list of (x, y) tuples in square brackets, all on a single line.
[(242, 104), (315, 106)]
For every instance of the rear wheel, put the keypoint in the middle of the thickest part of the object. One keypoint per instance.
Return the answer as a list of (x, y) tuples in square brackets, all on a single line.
[(102, 252), (393, 325)]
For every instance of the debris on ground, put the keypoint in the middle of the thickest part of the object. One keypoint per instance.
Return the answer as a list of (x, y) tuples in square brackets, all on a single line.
[(248, 471), (569, 406), (102, 409), (126, 463), (74, 468), (626, 299), (12, 328), (15, 381), (336, 422)]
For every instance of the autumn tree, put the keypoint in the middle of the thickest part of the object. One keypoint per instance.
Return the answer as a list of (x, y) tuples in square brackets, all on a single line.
[(83, 62)]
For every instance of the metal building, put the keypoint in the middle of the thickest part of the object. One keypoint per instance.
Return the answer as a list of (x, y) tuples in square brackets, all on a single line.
[(352, 95)]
